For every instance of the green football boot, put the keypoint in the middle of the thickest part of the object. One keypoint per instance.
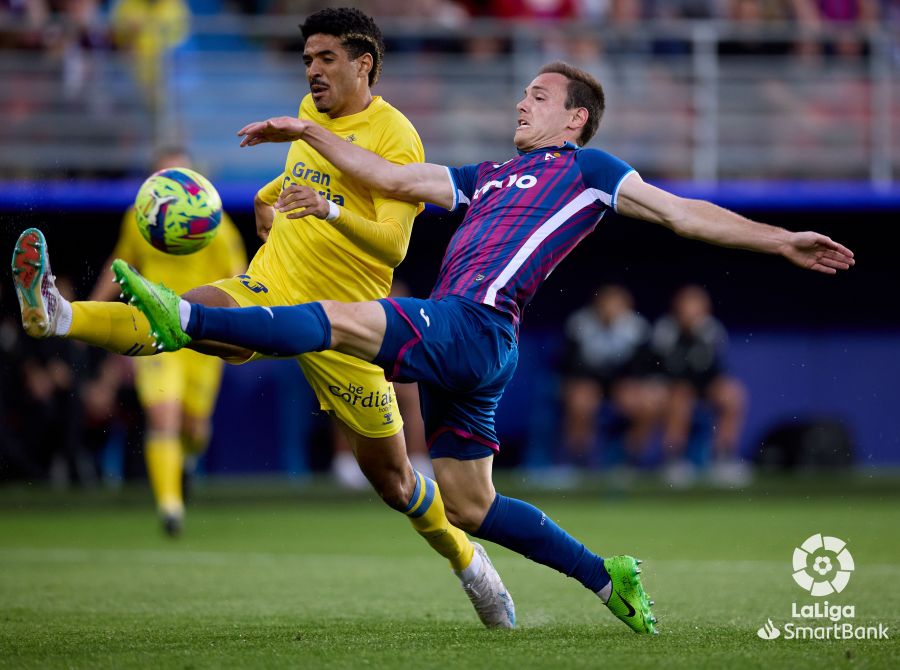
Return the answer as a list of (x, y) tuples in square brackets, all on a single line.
[(158, 303), (628, 600)]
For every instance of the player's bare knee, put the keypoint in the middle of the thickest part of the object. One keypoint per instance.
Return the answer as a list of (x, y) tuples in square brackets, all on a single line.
[(196, 429), (210, 296), (393, 483), (392, 491), (466, 515)]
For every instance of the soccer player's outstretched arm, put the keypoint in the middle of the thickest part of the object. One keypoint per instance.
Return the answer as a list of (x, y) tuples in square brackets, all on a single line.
[(702, 220), (413, 182)]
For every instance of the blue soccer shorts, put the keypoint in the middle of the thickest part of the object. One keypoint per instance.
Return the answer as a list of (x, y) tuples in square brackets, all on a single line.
[(463, 355)]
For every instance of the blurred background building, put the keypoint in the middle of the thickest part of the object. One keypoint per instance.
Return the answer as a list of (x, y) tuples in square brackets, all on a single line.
[(785, 110)]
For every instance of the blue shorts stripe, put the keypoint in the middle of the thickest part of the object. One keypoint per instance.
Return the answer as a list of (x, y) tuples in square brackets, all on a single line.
[(426, 502)]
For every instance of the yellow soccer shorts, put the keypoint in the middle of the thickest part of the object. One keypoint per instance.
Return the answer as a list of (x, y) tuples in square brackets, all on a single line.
[(181, 376), (354, 390)]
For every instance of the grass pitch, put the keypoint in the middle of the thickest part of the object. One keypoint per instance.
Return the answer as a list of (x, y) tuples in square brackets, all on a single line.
[(297, 580)]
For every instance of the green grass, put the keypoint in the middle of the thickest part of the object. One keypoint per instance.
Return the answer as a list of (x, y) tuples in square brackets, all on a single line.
[(313, 581)]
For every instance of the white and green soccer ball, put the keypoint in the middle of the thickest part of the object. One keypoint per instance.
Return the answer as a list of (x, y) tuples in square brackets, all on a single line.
[(178, 211)]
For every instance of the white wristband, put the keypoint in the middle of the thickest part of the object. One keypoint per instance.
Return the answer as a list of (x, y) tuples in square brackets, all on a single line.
[(333, 211)]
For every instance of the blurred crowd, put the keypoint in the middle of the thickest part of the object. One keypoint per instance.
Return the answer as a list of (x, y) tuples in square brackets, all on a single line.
[(90, 84), (637, 395), (66, 409), (148, 28), (634, 397)]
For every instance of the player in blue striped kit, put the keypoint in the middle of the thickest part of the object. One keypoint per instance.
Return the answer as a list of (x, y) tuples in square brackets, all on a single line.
[(524, 217)]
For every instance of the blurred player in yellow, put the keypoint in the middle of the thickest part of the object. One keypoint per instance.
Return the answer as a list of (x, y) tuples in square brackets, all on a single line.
[(177, 390), (327, 237)]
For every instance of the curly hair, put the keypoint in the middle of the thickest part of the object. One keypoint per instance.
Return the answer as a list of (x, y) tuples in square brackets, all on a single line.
[(357, 32)]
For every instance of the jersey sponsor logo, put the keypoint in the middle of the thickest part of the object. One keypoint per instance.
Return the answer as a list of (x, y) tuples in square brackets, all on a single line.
[(356, 396), (524, 182), (300, 171), (313, 178)]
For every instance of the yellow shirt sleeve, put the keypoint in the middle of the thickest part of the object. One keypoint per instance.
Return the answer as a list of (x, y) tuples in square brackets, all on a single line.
[(387, 239), (270, 192)]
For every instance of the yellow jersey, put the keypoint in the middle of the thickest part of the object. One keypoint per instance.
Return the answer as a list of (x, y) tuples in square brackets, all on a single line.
[(310, 259), (223, 257)]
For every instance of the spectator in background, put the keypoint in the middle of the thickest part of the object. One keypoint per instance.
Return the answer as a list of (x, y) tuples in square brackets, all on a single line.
[(50, 411), (149, 30), (533, 9), (608, 358), (111, 416), (14, 459), (750, 19), (848, 14), (72, 39), (690, 343), (22, 23)]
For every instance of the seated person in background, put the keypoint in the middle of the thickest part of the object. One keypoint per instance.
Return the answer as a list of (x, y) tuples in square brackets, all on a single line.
[(690, 343), (607, 357)]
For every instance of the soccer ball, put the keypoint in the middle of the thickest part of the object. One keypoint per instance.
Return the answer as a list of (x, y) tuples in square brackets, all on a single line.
[(178, 211)]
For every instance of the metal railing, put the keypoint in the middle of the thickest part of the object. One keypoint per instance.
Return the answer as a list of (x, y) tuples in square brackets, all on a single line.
[(705, 101)]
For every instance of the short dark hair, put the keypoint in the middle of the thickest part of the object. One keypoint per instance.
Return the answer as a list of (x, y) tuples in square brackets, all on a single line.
[(357, 32), (583, 91)]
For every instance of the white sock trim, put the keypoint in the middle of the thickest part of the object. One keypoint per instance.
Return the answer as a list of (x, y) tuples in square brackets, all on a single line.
[(63, 318), (184, 313), (468, 574), (605, 592)]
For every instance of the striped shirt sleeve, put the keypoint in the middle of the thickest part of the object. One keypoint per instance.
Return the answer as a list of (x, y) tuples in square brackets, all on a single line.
[(603, 172), (463, 180)]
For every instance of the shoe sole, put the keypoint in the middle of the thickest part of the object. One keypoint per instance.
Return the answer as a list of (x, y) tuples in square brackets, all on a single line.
[(28, 267)]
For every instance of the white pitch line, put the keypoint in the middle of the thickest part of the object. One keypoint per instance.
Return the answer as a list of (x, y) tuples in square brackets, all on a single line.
[(193, 557), (151, 556)]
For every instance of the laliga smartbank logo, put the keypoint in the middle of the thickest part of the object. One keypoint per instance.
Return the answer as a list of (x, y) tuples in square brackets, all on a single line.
[(822, 566)]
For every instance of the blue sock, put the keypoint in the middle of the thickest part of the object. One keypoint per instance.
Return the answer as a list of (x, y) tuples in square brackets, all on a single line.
[(516, 525), (273, 331)]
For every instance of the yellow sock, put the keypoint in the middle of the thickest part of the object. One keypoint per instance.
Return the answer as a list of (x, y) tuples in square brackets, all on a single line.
[(115, 326), (427, 515), (165, 461)]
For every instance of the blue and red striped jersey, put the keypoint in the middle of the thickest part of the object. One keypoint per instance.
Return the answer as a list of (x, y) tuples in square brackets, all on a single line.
[(524, 217)]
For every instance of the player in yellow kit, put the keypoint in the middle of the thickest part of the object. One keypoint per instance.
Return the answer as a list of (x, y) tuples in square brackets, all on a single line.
[(327, 237), (177, 390)]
